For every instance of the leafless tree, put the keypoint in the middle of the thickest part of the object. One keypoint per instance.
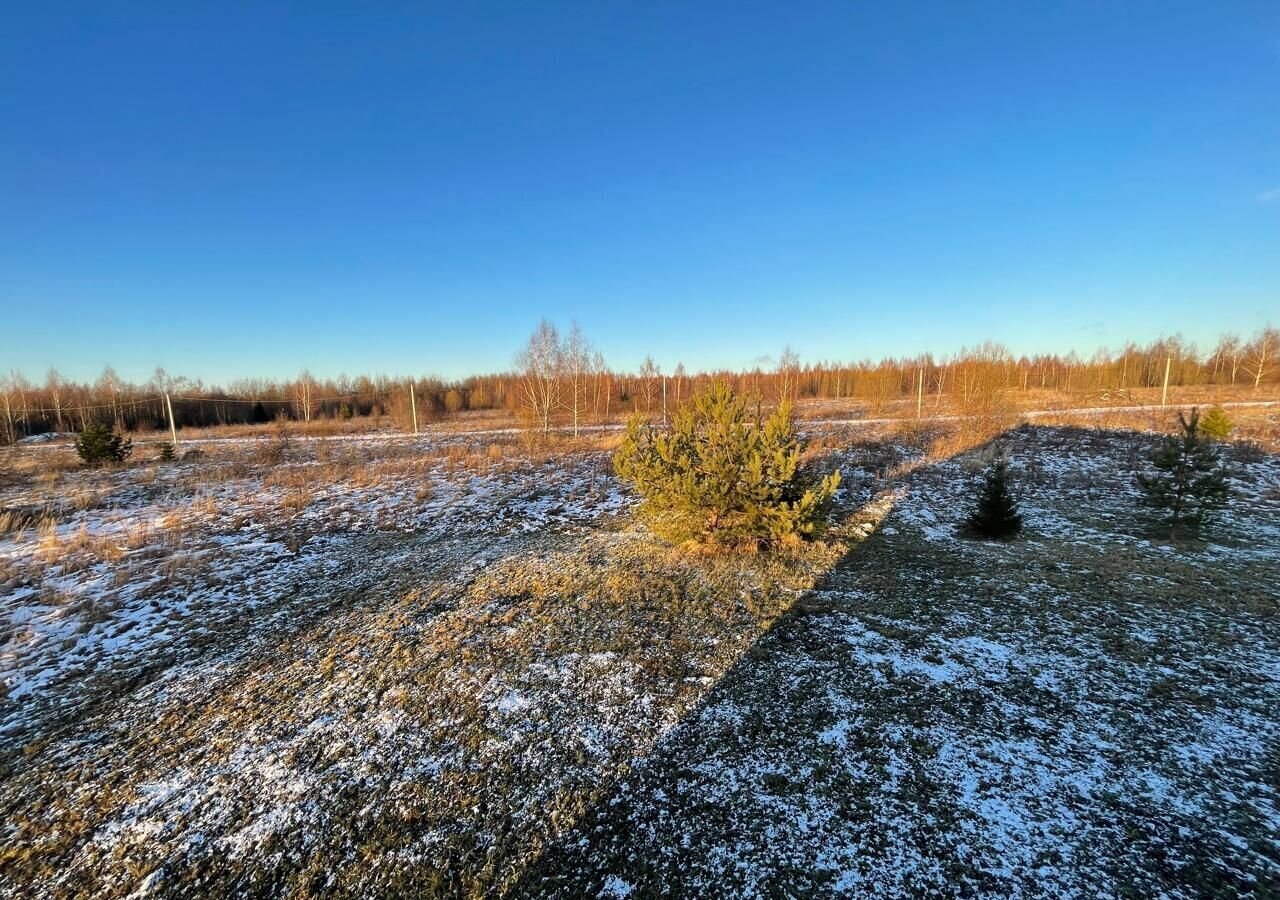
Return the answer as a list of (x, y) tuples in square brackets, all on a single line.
[(108, 386), (22, 386), (981, 376), (1261, 358), (304, 394), (649, 375), (9, 397), (53, 383), (879, 386), (576, 359), (540, 365), (679, 376), (788, 374), (603, 384), (1226, 356)]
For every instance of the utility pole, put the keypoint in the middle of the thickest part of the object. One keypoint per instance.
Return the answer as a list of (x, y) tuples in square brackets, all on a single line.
[(1164, 393), (173, 429), (413, 405)]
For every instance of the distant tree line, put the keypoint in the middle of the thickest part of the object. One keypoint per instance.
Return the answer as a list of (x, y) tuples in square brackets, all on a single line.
[(563, 381)]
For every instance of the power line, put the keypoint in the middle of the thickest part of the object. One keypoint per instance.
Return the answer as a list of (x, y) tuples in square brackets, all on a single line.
[(289, 400), (139, 401), (76, 407)]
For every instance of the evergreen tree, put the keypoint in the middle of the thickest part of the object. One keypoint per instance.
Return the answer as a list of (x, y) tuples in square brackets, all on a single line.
[(995, 514), (1190, 482), (724, 476), (99, 445), (1215, 424), (167, 452)]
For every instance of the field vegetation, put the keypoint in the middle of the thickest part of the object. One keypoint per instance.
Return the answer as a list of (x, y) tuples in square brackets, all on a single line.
[(564, 382), (336, 658)]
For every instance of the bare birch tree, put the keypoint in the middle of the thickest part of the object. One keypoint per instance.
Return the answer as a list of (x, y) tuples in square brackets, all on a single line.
[(9, 396), (679, 376), (1261, 359), (1226, 356), (649, 375), (576, 358), (304, 394), (54, 385), (602, 384), (540, 366), (788, 375), (109, 386)]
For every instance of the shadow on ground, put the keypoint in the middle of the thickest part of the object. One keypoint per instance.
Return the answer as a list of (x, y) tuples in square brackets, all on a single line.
[(1084, 712), (604, 855)]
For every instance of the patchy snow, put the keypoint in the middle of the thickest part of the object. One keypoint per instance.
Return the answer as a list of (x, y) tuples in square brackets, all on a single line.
[(402, 669), (617, 888), (152, 570), (1025, 719)]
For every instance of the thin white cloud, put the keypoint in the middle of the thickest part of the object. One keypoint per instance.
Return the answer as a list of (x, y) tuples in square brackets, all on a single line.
[(1271, 196)]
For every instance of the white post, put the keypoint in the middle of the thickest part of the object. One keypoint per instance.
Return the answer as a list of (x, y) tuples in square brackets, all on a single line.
[(919, 391), (1164, 393), (173, 429), (664, 401), (413, 405)]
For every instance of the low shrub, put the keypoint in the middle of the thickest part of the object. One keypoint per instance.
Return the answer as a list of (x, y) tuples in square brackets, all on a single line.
[(1189, 482), (1215, 425), (723, 476), (99, 445), (995, 515)]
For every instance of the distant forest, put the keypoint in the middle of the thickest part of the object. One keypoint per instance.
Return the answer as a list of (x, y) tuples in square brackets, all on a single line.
[(563, 382)]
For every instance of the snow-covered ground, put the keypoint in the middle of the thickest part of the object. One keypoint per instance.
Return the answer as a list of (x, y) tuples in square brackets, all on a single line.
[(446, 667), (1085, 712), (164, 561)]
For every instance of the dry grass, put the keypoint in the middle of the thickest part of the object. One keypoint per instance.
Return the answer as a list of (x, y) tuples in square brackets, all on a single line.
[(314, 428), (17, 522), (386, 706), (424, 657)]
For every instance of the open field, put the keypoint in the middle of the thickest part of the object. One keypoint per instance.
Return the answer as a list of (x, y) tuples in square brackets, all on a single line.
[(450, 665), (613, 451)]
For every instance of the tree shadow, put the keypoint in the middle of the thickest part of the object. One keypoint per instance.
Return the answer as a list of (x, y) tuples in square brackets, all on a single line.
[(582, 862), (652, 831)]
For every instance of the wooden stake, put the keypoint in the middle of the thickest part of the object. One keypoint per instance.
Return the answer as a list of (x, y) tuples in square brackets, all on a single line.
[(413, 405), (173, 429), (1164, 393), (919, 392)]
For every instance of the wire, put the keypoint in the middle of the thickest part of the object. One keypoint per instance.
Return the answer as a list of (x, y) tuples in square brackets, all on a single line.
[(291, 400), (76, 407)]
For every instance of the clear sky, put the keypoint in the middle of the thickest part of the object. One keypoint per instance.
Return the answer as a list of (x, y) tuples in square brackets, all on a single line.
[(246, 189)]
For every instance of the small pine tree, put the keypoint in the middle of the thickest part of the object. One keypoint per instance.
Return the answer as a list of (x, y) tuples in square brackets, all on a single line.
[(723, 476), (1191, 482), (167, 453), (1215, 424), (995, 515), (98, 445)]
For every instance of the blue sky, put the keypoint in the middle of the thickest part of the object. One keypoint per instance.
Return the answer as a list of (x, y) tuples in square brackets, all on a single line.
[(234, 190)]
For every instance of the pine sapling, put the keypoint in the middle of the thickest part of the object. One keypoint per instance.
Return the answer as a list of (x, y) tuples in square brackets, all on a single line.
[(1215, 425), (995, 515), (1190, 482), (724, 476), (98, 445)]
